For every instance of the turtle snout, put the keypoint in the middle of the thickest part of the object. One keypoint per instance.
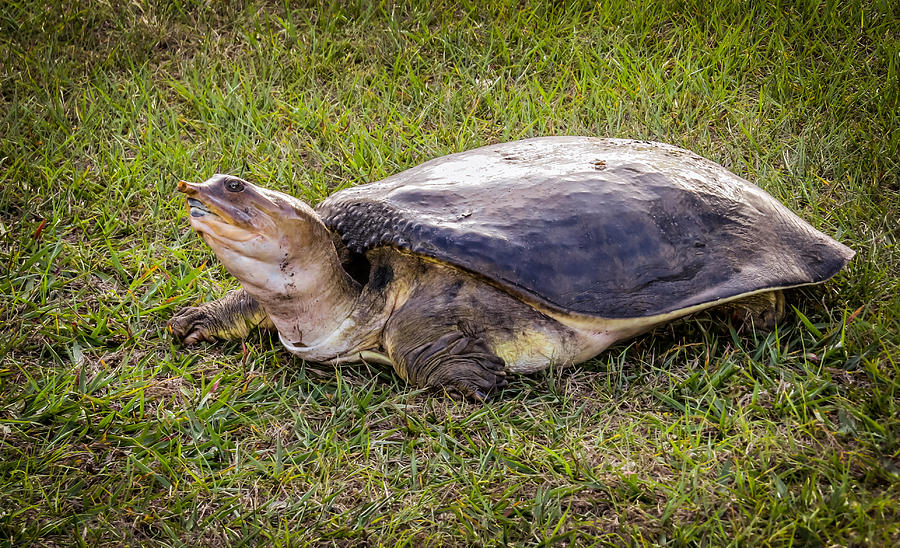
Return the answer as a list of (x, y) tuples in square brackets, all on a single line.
[(188, 188)]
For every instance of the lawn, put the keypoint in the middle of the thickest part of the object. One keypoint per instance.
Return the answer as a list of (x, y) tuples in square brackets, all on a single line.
[(111, 434)]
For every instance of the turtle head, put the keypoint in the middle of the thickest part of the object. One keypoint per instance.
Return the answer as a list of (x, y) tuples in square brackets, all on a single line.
[(257, 233)]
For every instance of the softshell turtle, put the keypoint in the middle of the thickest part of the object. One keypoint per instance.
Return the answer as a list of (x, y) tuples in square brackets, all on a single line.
[(500, 259)]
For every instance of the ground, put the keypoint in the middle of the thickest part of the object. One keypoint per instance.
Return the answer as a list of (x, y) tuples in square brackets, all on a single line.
[(111, 434)]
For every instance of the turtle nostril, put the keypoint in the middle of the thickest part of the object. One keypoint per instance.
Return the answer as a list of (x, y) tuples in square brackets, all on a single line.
[(187, 188)]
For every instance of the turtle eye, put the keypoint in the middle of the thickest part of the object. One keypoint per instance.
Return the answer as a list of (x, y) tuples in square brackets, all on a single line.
[(233, 185)]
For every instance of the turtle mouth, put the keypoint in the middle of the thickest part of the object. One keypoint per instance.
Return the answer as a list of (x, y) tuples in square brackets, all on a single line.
[(216, 225), (198, 208)]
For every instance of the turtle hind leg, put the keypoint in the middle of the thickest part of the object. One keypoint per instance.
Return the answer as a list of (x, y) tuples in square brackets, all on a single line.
[(762, 311), (229, 318), (457, 363)]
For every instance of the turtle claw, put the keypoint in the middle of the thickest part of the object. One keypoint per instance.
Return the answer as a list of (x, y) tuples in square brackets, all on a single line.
[(466, 391), (484, 396), (190, 325)]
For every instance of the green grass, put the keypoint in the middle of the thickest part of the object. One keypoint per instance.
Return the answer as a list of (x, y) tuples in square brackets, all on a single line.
[(110, 434)]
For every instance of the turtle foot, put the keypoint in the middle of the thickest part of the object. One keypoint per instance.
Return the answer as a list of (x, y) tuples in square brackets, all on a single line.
[(229, 318), (192, 324), (761, 312), (461, 365)]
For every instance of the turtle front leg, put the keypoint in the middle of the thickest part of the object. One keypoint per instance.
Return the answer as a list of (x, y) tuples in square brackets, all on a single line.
[(229, 318), (461, 365), (427, 352)]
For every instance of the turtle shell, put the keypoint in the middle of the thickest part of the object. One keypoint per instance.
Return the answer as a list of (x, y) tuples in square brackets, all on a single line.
[(608, 228)]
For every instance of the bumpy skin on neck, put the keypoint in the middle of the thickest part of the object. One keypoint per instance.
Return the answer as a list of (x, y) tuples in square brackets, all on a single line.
[(279, 250)]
